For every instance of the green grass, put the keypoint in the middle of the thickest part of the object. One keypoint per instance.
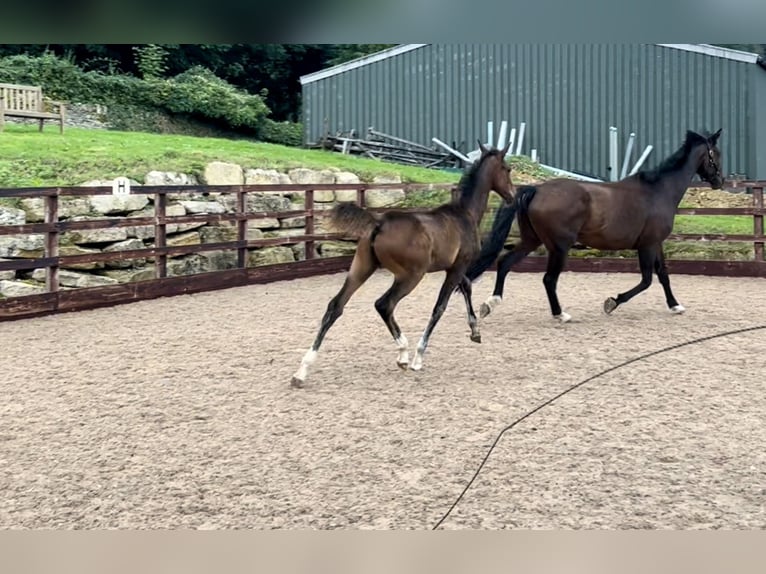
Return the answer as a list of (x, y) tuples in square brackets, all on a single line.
[(29, 158), (725, 224), (711, 224)]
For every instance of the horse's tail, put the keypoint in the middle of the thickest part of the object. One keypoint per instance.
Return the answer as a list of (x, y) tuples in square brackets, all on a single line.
[(355, 221), (524, 197), (495, 241)]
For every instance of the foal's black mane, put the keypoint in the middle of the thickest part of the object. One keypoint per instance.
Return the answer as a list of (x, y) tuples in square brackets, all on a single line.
[(672, 163), (468, 181)]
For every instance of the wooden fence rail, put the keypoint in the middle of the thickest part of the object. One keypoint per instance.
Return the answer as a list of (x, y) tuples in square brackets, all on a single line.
[(55, 299)]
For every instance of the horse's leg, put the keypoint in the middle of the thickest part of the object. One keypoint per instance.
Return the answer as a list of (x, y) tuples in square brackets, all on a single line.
[(662, 274), (473, 323), (450, 283), (646, 260), (514, 255), (385, 306), (362, 268), (557, 257)]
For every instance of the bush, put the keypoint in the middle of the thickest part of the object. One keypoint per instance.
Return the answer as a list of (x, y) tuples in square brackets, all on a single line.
[(196, 92), (130, 118), (285, 133), (199, 92), (60, 78)]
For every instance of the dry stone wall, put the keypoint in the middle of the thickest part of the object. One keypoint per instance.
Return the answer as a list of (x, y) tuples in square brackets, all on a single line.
[(114, 240)]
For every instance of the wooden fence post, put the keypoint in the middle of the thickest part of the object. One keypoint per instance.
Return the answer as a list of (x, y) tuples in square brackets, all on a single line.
[(241, 230), (308, 206), (160, 236), (52, 241), (758, 223), (360, 197)]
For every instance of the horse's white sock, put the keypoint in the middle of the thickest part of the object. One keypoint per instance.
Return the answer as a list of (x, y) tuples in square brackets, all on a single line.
[(404, 354), (493, 301), (308, 360), (417, 360)]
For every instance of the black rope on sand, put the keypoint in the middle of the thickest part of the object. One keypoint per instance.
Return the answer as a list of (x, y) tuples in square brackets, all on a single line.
[(575, 386)]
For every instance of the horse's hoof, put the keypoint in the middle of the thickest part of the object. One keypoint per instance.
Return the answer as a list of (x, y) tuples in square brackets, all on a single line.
[(610, 305), (678, 309), (489, 304), (297, 383), (563, 317), (402, 366), (476, 338)]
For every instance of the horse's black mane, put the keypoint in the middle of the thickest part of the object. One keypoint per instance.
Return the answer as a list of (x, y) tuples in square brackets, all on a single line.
[(468, 181), (671, 163)]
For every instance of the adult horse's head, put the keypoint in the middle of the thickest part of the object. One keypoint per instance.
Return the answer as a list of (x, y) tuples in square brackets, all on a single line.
[(501, 171), (709, 168)]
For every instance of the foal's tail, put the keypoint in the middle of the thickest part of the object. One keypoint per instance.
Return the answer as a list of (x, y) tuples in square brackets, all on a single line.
[(352, 220), (494, 243)]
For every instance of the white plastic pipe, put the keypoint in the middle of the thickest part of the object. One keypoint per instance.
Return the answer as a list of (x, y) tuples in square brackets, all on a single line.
[(641, 159), (440, 143), (501, 135), (613, 153), (490, 130), (569, 174), (511, 139), (533, 155), (628, 151), (522, 127)]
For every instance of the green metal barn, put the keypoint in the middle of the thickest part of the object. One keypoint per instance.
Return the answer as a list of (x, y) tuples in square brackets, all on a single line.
[(568, 96)]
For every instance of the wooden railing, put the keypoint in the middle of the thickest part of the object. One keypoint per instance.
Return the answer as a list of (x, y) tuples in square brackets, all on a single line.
[(757, 211), (54, 299)]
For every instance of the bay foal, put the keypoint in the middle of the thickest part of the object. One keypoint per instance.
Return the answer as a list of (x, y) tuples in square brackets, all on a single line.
[(409, 245)]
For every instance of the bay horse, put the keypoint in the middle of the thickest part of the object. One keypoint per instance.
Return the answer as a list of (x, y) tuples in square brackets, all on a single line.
[(409, 245), (636, 212)]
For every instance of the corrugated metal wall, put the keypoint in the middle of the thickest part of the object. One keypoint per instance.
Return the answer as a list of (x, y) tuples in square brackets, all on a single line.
[(567, 94)]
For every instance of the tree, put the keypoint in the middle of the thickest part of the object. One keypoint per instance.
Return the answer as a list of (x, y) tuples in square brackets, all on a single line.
[(273, 70)]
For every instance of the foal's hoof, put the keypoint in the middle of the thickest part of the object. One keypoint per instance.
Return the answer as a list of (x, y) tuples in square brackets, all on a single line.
[(297, 383), (476, 338), (610, 305), (678, 309), (563, 318), (402, 366), (484, 310)]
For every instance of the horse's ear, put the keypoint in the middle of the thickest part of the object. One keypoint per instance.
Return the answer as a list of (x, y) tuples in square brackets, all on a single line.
[(692, 136), (714, 138), (481, 147), (504, 151)]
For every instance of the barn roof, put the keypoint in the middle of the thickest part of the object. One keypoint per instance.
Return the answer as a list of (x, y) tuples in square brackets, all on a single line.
[(707, 49)]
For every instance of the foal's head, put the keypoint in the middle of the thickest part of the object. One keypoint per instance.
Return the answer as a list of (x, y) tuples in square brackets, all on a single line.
[(500, 174), (709, 169)]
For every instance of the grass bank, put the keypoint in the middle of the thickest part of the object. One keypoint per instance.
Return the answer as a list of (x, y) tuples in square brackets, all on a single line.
[(29, 158)]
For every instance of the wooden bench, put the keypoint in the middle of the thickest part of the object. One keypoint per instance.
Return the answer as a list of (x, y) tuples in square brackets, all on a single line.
[(28, 102)]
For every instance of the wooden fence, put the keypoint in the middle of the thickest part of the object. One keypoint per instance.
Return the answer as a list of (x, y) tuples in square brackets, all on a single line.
[(54, 299)]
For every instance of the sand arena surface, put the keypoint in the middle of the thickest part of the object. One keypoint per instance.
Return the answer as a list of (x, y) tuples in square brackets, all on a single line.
[(177, 412)]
